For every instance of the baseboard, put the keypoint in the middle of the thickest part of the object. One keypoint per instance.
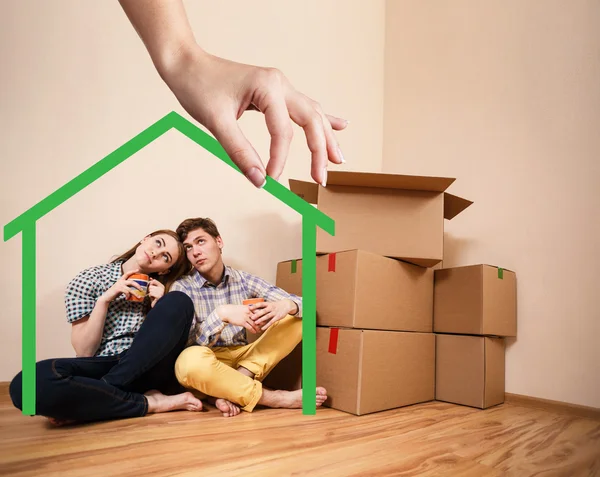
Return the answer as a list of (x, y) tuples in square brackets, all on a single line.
[(555, 406)]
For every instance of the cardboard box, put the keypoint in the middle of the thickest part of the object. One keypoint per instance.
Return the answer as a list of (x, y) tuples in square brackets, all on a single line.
[(358, 289), (476, 300), (469, 370), (388, 214), (366, 371)]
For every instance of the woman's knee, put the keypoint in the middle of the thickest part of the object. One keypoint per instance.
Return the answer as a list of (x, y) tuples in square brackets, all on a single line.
[(45, 382), (15, 389), (193, 364), (178, 304)]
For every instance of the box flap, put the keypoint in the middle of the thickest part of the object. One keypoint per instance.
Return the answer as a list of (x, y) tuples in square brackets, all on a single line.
[(388, 181), (309, 191), (454, 205)]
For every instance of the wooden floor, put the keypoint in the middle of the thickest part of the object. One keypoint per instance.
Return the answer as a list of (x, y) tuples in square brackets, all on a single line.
[(427, 439)]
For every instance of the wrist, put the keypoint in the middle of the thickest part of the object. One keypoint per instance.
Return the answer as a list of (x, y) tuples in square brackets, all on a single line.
[(221, 313), (176, 59), (103, 301), (294, 308)]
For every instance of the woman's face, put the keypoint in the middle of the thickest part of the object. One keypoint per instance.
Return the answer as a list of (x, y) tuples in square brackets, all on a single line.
[(157, 254)]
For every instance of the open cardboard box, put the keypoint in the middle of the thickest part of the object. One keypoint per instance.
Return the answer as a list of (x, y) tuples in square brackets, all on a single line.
[(392, 215)]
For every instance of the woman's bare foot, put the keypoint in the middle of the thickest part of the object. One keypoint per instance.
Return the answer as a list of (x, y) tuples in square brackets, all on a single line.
[(158, 402), (289, 399)]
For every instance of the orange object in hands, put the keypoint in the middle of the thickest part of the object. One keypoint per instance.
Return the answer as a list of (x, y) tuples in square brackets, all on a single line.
[(252, 301), (142, 280)]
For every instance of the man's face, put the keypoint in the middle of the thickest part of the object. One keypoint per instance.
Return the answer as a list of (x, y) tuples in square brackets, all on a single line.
[(203, 250)]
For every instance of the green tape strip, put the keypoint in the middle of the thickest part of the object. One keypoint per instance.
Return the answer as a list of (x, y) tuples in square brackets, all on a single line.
[(293, 266), (500, 273)]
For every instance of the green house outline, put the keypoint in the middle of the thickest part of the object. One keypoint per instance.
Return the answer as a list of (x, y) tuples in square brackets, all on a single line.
[(26, 223)]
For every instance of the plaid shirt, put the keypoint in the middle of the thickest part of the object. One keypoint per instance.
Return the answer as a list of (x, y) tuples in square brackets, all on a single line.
[(208, 329), (123, 318)]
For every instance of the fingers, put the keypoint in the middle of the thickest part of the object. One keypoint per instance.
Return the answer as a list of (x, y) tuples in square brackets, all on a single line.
[(337, 123), (280, 129), (309, 119), (239, 149), (249, 325), (134, 284), (334, 152), (264, 318)]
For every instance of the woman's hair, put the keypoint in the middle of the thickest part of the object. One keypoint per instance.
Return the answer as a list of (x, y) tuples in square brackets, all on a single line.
[(177, 269)]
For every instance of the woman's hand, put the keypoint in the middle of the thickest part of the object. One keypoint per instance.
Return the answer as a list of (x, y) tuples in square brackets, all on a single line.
[(155, 291), (122, 285)]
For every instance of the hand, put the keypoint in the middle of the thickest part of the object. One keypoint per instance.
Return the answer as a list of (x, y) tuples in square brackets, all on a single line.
[(122, 285), (268, 313), (238, 315), (155, 291), (216, 92)]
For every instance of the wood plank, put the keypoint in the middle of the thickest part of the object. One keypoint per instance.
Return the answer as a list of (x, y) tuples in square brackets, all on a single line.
[(554, 406), (427, 439)]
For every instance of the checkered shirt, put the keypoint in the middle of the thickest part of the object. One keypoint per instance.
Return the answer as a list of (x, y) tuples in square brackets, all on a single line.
[(208, 329), (123, 318)]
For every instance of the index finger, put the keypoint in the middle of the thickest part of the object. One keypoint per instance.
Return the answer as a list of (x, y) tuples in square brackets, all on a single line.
[(280, 129)]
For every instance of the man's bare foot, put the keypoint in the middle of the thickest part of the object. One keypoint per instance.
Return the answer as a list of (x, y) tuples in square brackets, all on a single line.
[(228, 408), (158, 402), (289, 399), (59, 422)]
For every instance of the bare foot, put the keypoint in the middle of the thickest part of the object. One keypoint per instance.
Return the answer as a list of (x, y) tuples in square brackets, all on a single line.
[(289, 399), (228, 408), (158, 402)]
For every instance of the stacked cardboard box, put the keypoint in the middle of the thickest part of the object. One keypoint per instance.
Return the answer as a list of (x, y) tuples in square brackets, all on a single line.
[(375, 341), (475, 307)]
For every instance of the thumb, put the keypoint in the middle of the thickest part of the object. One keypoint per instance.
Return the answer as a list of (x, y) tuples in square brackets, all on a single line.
[(240, 151)]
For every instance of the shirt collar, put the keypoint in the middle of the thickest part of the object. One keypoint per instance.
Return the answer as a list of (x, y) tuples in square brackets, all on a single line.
[(227, 277)]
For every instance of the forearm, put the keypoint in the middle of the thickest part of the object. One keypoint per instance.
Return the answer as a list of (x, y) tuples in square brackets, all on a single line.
[(164, 29), (86, 336)]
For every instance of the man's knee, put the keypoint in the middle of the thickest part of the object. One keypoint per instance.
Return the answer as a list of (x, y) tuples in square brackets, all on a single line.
[(193, 364)]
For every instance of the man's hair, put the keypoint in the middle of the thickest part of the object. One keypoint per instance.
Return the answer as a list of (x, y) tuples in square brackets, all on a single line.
[(188, 225)]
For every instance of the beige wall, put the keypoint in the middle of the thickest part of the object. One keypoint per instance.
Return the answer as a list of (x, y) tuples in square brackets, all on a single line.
[(505, 96), (77, 83)]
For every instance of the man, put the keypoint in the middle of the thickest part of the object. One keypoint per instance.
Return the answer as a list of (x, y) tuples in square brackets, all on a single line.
[(221, 363)]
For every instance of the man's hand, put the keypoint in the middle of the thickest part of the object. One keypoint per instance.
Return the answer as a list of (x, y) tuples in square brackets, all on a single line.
[(267, 313), (238, 315)]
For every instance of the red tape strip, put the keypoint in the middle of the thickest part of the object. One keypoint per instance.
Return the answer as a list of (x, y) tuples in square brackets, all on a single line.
[(331, 262), (333, 340)]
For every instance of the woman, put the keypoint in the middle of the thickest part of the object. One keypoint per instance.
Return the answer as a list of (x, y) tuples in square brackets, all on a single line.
[(126, 350)]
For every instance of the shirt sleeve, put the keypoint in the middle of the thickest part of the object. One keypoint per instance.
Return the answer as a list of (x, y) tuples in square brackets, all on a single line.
[(261, 288), (204, 332), (81, 295), (208, 331)]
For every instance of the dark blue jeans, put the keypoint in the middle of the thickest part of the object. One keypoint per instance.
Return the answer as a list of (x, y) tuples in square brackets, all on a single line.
[(112, 387)]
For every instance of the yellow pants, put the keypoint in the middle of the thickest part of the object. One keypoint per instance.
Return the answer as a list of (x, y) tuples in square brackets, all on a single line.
[(213, 371)]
